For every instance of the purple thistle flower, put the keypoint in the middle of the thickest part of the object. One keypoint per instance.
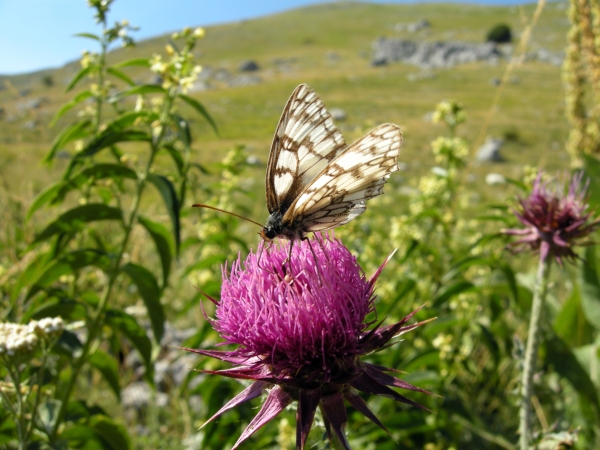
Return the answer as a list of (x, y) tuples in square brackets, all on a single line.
[(554, 221), (301, 337)]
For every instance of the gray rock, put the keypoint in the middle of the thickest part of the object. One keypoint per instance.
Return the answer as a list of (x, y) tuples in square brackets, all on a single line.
[(244, 80), (138, 396), (332, 56), (413, 27), (248, 66), (200, 86), (418, 26), (543, 55), (490, 151), (338, 114), (432, 54), (221, 75), (495, 81), (34, 103)]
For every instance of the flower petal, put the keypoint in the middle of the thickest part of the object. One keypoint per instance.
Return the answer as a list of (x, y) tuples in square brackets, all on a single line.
[(276, 402)]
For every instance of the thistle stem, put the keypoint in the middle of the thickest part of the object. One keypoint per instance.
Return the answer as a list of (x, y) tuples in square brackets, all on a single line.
[(539, 296)]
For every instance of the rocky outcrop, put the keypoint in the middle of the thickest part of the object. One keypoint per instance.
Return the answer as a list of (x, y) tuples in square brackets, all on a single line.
[(432, 54)]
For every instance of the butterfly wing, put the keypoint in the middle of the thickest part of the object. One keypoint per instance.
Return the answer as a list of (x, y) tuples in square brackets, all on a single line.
[(305, 141), (339, 192)]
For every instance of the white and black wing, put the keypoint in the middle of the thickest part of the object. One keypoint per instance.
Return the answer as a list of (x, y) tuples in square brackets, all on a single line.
[(306, 140), (339, 192)]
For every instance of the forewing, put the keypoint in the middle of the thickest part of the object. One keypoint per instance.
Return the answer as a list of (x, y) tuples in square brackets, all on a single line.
[(305, 141), (338, 194)]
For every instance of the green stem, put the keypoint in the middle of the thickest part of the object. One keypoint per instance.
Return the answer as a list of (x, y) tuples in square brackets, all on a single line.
[(38, 394), (19, 413), (539, 296)]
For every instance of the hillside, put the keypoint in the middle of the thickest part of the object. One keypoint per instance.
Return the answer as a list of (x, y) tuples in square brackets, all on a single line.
[(329, 47)]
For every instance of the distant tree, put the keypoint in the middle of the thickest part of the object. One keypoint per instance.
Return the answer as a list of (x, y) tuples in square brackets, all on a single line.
[(48, 81), (499, 34)]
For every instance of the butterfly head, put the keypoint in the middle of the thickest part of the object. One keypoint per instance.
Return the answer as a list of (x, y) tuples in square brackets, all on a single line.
[(268, 233), (272, 228)]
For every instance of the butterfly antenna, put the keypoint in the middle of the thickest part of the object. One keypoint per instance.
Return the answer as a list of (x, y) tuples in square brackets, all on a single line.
[(198, 205)]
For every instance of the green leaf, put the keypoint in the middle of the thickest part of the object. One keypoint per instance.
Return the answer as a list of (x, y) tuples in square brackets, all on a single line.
[(95, 172), (108, 367), (113, 435), (76, 218), (150, 292), (47, 414), (462, 265), (167, 191), (69, 344), (570, 323), (566, 364), (111, 137), (144, 62), (68, 106), (79, 410), (130, 118), (31, 272), (44, 197), (511, 280), (176, 156), (78, 77), (81, 437), (73, 132), (164, 245), (69, 263), (205, 263), (200, 109), (88, 36), (67, 309), (183, 129), (454, 289), (120, 75), (127, 325), (589, 283), (139, 90), (592, 170)]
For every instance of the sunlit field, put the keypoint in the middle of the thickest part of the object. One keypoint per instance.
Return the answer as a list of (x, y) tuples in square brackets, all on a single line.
[(482, 329)]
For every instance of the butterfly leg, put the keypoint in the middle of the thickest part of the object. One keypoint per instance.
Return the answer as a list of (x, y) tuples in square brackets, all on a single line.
[(260, 255), (316, 260), (289, 256)]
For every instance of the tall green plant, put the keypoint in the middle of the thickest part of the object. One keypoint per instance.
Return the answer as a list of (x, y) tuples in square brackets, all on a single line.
[(92, 254)]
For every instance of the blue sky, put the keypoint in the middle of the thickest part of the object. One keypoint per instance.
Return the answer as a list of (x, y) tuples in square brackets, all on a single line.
[(38, 34)]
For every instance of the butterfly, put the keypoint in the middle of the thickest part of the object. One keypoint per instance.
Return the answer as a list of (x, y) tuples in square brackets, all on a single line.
[(316, 182)]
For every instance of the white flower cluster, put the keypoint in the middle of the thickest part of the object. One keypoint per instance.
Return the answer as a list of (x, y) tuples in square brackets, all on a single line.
[(17, 339)]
